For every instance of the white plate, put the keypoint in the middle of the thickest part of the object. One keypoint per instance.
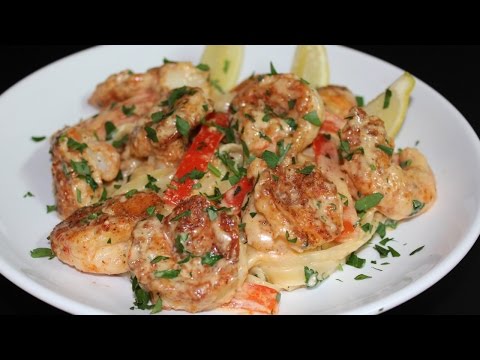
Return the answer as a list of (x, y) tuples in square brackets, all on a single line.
[(57, 95)]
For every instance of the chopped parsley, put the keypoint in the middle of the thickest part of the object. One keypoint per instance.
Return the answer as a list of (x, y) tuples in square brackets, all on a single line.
[(355, 261), (203, 67), (291, 122), (130, 193), (388, 96), (166, 274), (238, 172), (74, 145), (28, 194), (367, 227), (289, 239), (360, 101), (387, 150), (151, 134), (362, 277), (110, 130), (38, 138), (157, 307), (393, 252), (226, 66), (151, 184), (291, 104), (417, 206), (392, 224), (128, 110), (382, 251), (151, 210), (344, 199), (273, 71), (119, 143), (103, 197), (214, 170), (405, 164), (82, 169), (312, 118), (212, 213), (181, 215), (158, 258), (381, 230), (79, 196), (159, 116), (51, 208), (417, 250), (211, 258), (307, 170), (182, 126), (41, 253), (194, 175), (311, 277), (142, 297), (368, 202), (217, 86), (272, 159), (385, 241), (217, 195)]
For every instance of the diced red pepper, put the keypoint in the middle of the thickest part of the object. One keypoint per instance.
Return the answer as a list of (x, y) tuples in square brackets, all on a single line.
[(235, 196), (255, 299), (347, 228), (197, 157), (329, 127)]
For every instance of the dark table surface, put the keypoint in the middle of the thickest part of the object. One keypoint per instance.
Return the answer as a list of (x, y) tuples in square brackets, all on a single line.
[(452, 70)]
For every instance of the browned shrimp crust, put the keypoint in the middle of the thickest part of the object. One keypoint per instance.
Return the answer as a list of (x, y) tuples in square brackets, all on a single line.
[(96, 238), (190, 260)]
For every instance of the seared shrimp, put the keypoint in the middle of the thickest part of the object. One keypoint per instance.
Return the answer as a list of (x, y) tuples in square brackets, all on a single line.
[(159, 80), (96, 239), (273, 108), (186, 105), (84, 156), (191, 260), (405, 180), (338, 100), (298, 206)]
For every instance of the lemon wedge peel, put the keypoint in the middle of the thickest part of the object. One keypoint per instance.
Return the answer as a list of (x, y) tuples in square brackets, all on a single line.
[(310, 63), (225, 62), (394, 114)]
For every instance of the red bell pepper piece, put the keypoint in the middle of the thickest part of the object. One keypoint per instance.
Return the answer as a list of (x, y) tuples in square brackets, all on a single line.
[(235, 196), (255, 299), (197, 157)]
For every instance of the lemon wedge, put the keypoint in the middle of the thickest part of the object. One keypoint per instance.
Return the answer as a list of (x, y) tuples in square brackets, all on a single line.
[(311, 63), (225, 62), (391, 106)]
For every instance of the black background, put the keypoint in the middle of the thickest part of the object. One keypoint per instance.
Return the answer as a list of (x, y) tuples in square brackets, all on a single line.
[(450, 69)]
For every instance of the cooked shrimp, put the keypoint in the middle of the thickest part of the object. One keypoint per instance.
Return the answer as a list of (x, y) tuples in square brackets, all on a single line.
[(405, 180), (298, 206), (159, 81), (191, 260), (338, 100), (83, 159), (272, 108), (189, 105), (96, 239)]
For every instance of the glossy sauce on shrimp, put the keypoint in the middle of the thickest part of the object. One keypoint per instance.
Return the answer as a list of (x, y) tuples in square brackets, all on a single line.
[(191, 259)]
